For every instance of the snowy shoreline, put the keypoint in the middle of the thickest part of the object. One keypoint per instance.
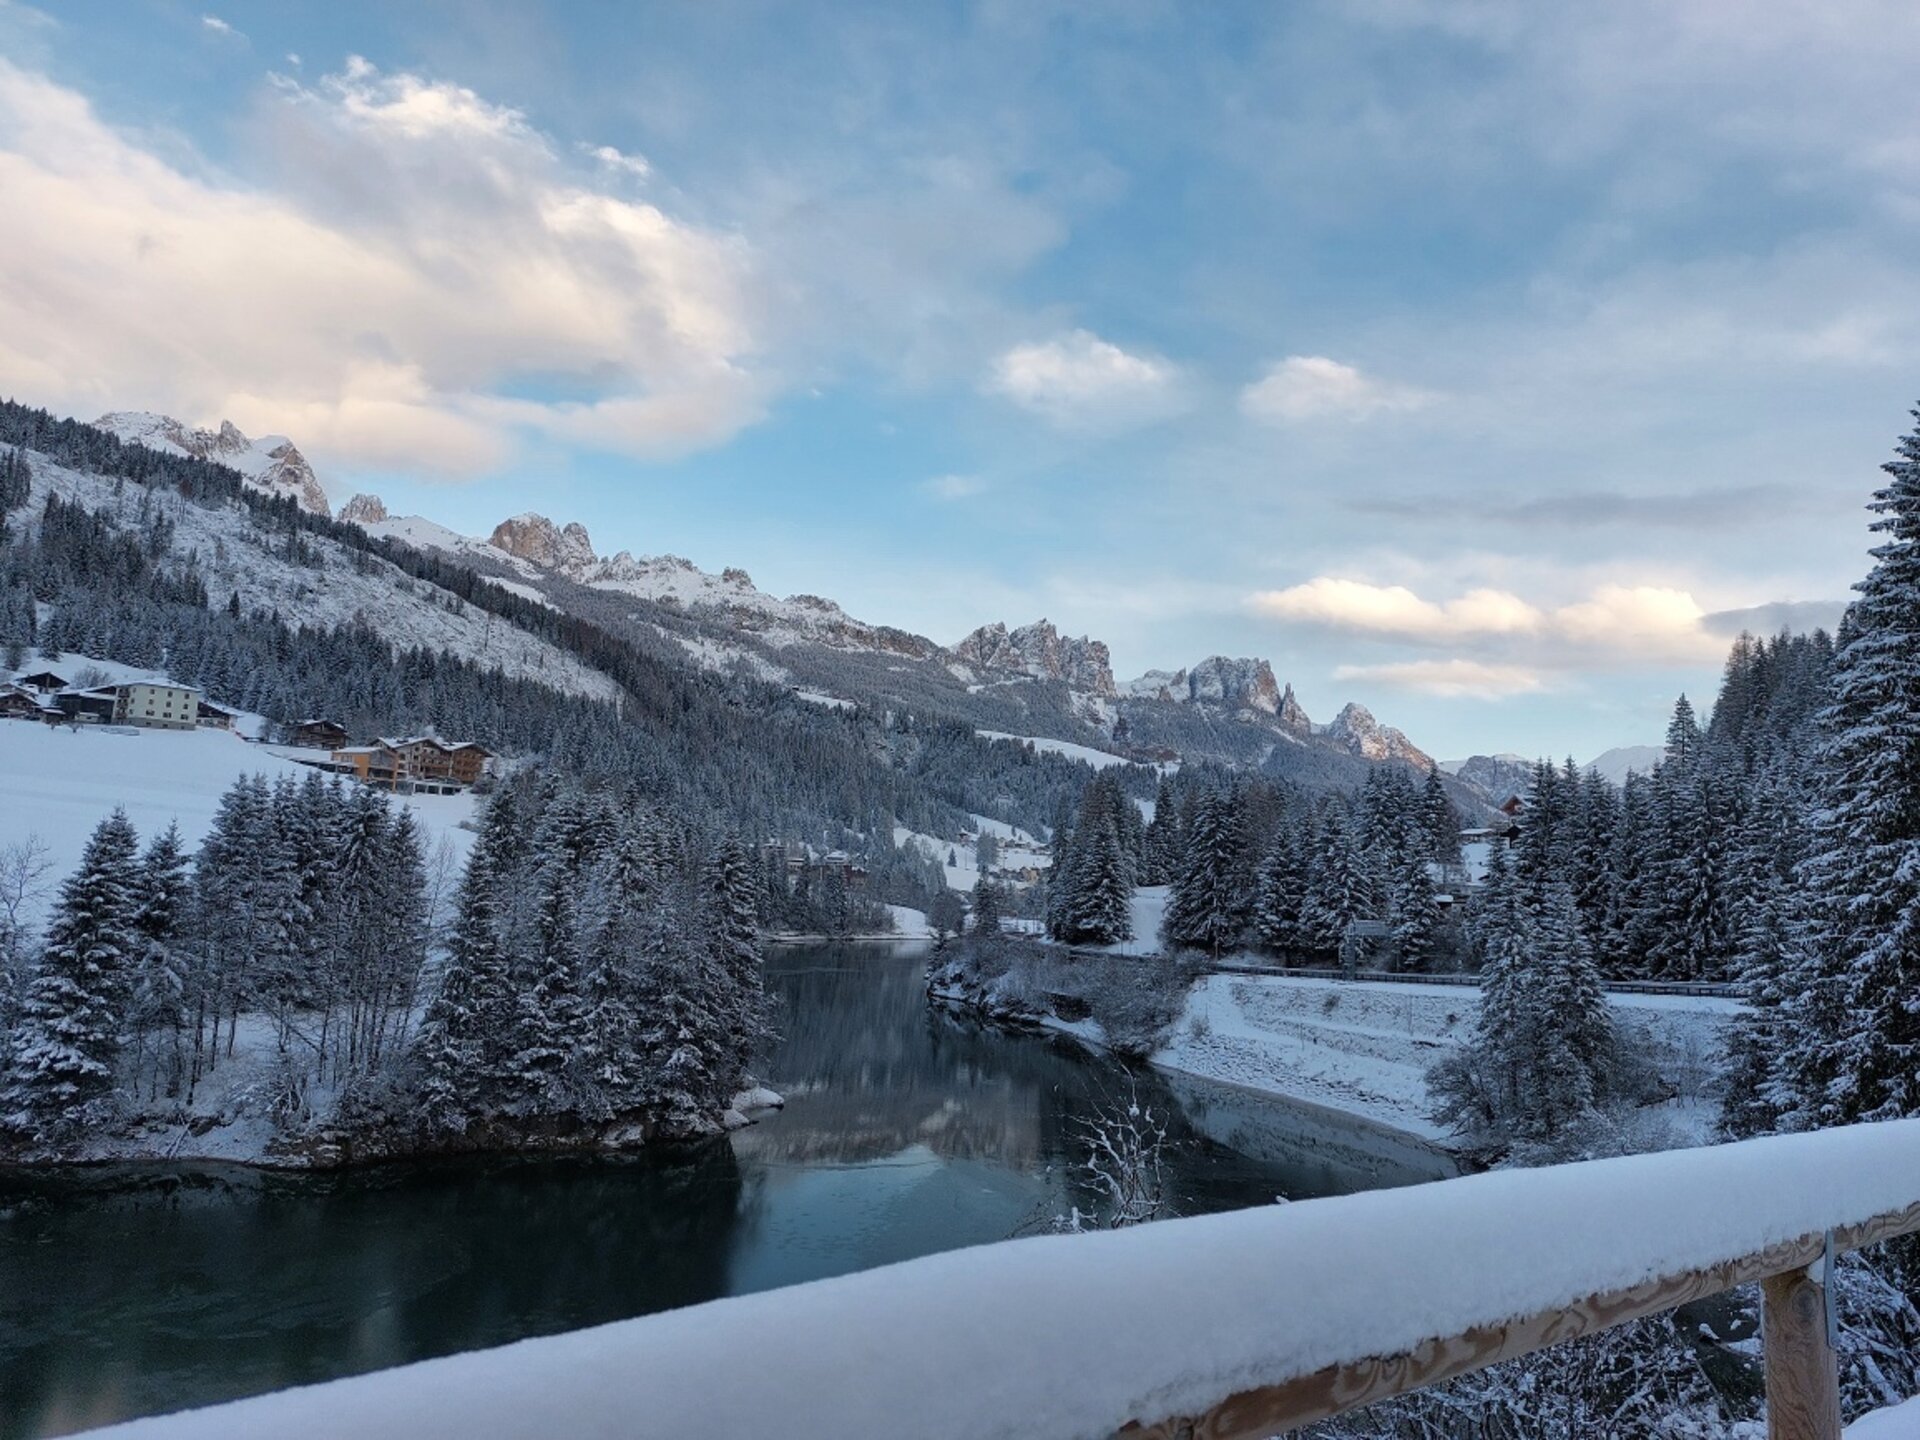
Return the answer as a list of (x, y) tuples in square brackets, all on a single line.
[(1361, 1049), (248, 1141)]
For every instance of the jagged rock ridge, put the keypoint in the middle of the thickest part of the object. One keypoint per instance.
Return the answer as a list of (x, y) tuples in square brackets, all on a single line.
[(363, 510), (1038, 652), (271, 463)]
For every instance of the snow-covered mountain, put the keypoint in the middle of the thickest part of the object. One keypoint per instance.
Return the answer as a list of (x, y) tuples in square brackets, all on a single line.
[(1028, 679), (271, 463), (1615, 763), (236, 557), (1496, 776)]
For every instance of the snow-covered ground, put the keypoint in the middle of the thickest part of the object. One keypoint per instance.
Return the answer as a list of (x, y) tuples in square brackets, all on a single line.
[(58, 782), (910, 924), (1896, 1422), (1076, 1335), (1018, 850), (1365, 1047)]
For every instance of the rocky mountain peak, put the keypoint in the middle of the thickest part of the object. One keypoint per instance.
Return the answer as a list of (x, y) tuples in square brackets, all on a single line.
[(1234, 684), (1365, 736), (537, 540), (271, 463), (363, 510), (1039, 652), (1290, 714)]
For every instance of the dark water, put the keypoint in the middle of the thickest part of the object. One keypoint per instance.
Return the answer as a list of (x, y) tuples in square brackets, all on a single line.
[(132, 1291)]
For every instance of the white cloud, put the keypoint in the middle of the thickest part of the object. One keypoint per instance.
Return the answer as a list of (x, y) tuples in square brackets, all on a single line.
[(219, 26), (1449, 679), (611, 158), (1396, 611), (1312, 387), (953, 487), (1079, 380), (419, 253), (1646, 623)]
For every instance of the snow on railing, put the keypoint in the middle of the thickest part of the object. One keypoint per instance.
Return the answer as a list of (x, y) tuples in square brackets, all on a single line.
[(1243, 1324)]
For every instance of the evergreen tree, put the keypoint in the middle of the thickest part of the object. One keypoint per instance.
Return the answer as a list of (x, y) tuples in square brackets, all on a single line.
[(1208, 908), (157, 1010), (63, 1064), (1416, 916), (1855, 990), (1280, 903), (987, 909)]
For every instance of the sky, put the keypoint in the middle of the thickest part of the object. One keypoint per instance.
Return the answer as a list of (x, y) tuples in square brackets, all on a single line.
[(1491, 365)]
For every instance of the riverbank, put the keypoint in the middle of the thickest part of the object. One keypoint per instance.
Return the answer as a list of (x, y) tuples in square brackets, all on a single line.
[(238, 1117), (1364, 1048)]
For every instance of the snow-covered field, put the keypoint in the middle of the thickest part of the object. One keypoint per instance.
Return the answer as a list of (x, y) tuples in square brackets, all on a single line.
[(1365, 1047), (1098, 759), (58, 782)]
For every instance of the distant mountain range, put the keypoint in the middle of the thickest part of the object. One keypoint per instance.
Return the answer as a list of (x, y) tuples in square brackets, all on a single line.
[(1508, 774), (1025, 680)]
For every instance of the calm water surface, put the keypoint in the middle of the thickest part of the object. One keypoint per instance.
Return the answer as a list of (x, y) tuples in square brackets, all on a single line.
[(137, 1290)]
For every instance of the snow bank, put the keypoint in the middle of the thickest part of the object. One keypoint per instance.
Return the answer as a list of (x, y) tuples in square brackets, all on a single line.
[(1897, 1422), (1364, 1047), (909, 923), (1069, 1336), (59, 782)]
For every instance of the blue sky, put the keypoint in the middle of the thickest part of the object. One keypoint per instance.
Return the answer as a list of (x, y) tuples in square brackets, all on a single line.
[(1488, 364)]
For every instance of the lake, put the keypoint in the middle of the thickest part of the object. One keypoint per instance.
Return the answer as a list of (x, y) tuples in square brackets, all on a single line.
[(134, 1290)]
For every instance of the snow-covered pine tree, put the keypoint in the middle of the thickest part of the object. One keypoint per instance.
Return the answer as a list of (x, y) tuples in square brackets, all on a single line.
[(71, 1026), (987, 909), (1280, 901), (1165, 844), (1208, 908), (1439, 821), (1854, 1001), (1091, 902), (156, 1014), (735, 934), (1415, 915), (1341, 888)]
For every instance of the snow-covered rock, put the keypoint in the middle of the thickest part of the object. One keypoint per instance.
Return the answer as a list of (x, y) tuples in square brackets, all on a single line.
[(271, 463), (537, 539), (363, 510), (1222, 683), (1355, 728), (1039, 652)]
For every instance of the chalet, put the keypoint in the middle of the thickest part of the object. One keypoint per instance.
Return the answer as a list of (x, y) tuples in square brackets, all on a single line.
[(318, 734), (17, 702), (45, 681), (467, 761), (210, 716), (89, 707)]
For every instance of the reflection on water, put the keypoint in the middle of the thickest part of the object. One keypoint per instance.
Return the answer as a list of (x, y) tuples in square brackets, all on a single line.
[(125, 1292)]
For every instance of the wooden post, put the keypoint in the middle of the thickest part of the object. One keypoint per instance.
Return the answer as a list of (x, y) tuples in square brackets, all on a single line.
[(1803, 1380)]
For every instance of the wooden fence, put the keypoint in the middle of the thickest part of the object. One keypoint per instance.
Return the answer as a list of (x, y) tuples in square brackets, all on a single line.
[(1220, 1327)]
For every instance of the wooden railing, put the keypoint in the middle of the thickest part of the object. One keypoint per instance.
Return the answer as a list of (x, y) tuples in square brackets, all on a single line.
[(1228, 1327)]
